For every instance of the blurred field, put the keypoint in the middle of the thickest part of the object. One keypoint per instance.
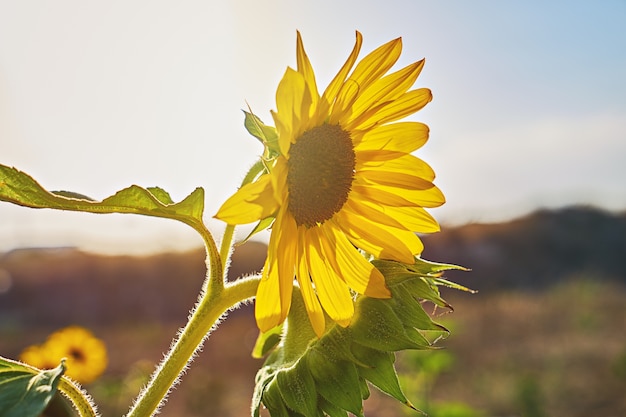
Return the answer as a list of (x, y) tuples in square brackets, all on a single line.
[(558, 350)]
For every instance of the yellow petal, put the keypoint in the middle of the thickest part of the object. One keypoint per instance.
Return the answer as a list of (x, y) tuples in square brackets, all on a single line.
[(416, 190), (406, 105), (252, 202), (382, 241), (276, 286), (284, 244), (371, 192), (359, 274), (328, 98), (384, 90), (306, 69), (311, 302), (405, 163), (368, 70), (390, 178), (332, 291), (412, 218), (404, 137), (377, 63), (267, 308), (291, 104)]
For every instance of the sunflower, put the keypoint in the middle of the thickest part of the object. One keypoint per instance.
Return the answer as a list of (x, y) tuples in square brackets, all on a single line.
[(342, 183), (86, 355)]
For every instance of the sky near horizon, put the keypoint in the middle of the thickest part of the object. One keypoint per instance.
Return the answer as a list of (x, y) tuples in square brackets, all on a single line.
[(529, 107)]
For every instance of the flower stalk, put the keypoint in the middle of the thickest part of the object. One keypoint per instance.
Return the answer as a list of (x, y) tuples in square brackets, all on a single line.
[(213, 304)]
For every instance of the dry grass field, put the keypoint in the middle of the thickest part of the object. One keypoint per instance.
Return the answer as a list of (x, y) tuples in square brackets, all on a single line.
[(559, 351)]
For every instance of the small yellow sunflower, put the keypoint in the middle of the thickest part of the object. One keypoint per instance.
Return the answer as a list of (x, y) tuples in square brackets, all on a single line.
[(36, 356), (86, 355), (344, 181)]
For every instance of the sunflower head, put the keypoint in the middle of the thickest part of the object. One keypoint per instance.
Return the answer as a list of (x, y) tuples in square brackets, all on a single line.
[(341, 185), (85, 355)]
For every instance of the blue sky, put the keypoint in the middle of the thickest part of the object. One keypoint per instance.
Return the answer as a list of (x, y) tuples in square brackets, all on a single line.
[(529, 104)]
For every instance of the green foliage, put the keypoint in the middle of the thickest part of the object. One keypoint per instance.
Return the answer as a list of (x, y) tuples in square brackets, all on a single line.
[(25, 391), (266, 134), (311, 377), (19, 188), (529, 397)]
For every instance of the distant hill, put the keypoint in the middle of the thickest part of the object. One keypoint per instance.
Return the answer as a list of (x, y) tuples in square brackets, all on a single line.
[(535, 251)]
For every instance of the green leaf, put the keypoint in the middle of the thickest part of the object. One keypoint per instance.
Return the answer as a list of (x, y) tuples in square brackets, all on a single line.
[(266, 134), (25, 391), (19, 188)]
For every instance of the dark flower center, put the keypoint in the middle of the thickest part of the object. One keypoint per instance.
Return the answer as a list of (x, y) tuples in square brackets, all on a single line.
[(77, 354), (320, 173)]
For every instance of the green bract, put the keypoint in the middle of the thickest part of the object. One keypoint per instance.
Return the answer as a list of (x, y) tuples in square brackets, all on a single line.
[(311, 377)]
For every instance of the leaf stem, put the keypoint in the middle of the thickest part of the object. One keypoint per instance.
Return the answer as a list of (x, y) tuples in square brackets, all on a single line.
[(226, 245), (80, 400)]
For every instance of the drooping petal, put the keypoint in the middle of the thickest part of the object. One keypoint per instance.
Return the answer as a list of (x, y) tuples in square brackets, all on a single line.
[(411, 218), (332, 291), (414, 218), (268, 307), (311, 302), (358, 273), (252, 202), (278, 273), (380, 240)]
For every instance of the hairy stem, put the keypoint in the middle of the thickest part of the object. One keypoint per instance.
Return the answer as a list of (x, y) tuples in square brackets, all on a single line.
[(207, 313)]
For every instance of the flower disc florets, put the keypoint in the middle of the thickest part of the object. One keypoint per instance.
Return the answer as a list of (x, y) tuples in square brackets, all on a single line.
[(320, 173)]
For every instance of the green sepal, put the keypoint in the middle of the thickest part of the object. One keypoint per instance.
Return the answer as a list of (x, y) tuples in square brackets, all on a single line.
[(344, 360), (263, 224), (266, 341), (365, 390), (379, 327), (19, 188), (274, 401), (335, 379), (26, 391), (330, 409), (297, 389), (411, 313), (380, 371)]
